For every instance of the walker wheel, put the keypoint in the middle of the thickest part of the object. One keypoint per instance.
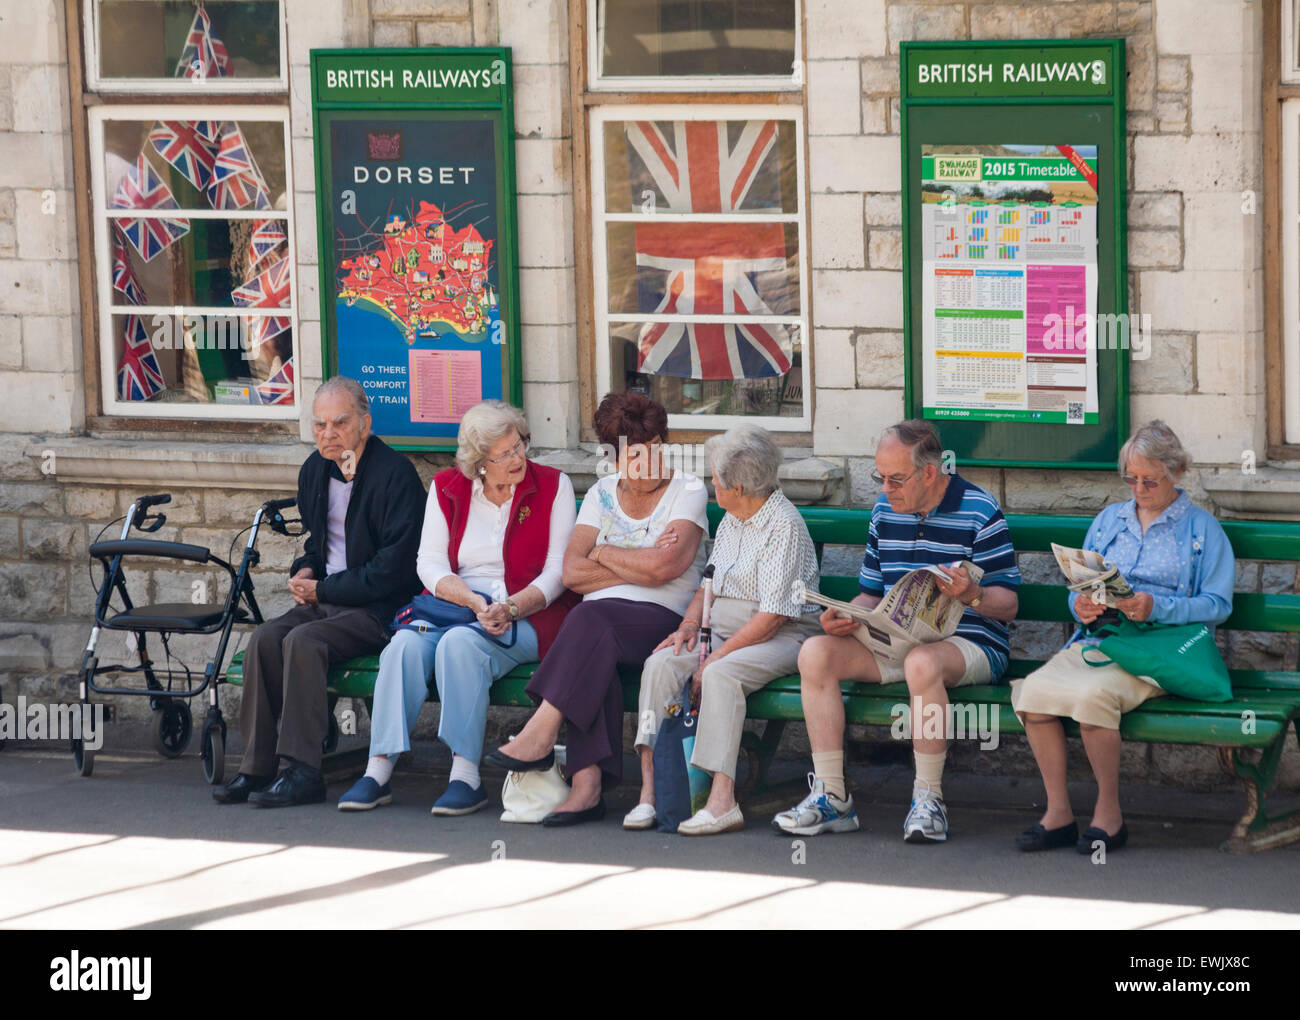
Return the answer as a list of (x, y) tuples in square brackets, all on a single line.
[(213, 750), (172, 728), (83, 759)]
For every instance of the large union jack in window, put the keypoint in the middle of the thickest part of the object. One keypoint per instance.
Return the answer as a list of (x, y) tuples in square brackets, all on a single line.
[(708, 267)]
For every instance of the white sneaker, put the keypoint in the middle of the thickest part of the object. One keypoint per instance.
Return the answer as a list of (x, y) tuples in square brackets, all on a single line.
[(818, 812), (927, 821), (703, 823), (643, 816)]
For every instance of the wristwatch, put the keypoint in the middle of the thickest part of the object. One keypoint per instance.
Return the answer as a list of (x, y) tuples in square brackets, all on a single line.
[(976, 601), (514, 609)]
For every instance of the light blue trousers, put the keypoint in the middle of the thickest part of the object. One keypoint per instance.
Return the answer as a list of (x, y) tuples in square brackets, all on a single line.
[(464, 664)]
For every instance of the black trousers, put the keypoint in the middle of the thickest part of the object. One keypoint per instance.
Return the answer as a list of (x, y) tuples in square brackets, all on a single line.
[(286, 668), (579, 676)]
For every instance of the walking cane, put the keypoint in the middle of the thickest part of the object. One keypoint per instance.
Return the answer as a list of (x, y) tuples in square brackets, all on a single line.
[(706, 631)]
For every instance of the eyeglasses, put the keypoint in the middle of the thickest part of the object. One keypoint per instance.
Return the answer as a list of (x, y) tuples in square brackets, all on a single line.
[(518, 450), (1132, 481), (890, 481)]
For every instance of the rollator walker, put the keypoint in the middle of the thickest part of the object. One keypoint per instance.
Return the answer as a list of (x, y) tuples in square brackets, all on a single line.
[(169, 690)]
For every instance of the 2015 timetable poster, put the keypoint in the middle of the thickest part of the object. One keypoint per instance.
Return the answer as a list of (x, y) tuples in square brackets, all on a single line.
[(419, 304), (1009, 282)]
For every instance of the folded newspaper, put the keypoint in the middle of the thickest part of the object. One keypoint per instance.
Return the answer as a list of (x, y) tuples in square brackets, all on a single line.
[(1088, 572), (913, 612)]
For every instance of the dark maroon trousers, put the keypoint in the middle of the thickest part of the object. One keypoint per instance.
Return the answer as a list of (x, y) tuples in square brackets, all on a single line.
[(579, 676)]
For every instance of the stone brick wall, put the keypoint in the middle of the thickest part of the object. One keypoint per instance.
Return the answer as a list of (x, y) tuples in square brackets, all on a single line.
[(40, 354)]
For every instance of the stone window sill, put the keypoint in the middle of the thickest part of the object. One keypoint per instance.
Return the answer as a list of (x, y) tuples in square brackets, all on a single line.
[(162, 464), (1272, 492)]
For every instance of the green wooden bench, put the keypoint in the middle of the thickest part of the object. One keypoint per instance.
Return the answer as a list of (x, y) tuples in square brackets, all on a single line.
[(1248, 733)]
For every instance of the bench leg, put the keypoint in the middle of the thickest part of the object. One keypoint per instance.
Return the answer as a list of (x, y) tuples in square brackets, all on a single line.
[(759, 753), (1258, 830)]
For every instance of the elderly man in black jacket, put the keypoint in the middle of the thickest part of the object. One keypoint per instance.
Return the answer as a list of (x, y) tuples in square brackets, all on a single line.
[(363, 505)]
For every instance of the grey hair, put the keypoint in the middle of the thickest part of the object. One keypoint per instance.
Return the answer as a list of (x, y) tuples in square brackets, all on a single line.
[(1156, 441), (922, 440), (745, 456), (344, 384), (482, 425)]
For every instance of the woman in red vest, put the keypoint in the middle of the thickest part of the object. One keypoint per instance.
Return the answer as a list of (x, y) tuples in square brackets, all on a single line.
[(495, 530)]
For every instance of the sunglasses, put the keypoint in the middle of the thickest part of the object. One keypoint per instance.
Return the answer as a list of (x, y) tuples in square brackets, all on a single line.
[(1132, 481)]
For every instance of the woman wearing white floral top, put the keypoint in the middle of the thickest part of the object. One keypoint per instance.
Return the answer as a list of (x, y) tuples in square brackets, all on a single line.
[(762, 556), (636, 558)]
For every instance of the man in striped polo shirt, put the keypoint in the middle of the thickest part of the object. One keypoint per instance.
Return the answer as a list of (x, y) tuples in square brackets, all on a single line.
[(923, 516)]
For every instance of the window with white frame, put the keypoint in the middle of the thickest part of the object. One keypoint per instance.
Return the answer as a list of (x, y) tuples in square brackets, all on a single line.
[(1290, 195), (191, 202), (1290, 42), (707, 45), (699, 261)]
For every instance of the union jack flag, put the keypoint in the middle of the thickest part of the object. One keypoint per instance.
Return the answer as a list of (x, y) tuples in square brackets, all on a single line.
[(706, 166), (138, 374), (262, 328), (187, 148), (710, 268), (204, 55), (141, 188), (267, 235), (269, 289), (236, 179), (279, 388), (124, 281), (704, 269)]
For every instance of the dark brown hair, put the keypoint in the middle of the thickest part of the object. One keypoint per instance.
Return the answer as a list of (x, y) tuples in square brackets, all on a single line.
[(634, 416)]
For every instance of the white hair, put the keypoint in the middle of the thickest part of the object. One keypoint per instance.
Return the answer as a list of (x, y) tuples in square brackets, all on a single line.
[(1156, 441), (345, 384), (482, 425), (745, 456)]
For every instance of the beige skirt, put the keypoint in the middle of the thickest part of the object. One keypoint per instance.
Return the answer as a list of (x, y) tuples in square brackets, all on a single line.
[(1067, 686)]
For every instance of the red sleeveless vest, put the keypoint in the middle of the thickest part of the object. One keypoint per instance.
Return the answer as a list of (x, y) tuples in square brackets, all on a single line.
[(528, 535)]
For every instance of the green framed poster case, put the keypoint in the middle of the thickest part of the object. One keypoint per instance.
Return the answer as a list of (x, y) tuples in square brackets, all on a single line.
[(418, 249), (1015, 308)]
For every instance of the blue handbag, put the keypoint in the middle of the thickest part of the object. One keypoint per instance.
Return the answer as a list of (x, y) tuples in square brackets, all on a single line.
[(680, 788), (427, 612)]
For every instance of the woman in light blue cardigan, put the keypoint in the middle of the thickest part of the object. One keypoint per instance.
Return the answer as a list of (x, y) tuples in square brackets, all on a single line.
[(1180, 565)]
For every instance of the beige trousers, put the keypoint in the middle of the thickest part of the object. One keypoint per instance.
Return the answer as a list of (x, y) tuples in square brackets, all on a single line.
[(725, 685)]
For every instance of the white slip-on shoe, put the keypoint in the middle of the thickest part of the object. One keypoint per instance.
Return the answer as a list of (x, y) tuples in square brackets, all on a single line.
[(702, 823), (643, 816)]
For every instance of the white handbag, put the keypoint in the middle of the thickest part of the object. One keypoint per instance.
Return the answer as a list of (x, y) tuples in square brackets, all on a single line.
[(531, 796)]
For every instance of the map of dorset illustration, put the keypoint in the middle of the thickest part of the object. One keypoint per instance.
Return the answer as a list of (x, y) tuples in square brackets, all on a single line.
[(425, 275)]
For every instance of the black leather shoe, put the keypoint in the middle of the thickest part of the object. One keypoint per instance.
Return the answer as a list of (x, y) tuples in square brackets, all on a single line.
[(1092, 835), (1038, 838), (556, 819), (298, 784), (515, 765), (237, 790)]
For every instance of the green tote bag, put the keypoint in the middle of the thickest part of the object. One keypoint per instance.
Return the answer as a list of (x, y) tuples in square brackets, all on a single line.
[(1182, 660)]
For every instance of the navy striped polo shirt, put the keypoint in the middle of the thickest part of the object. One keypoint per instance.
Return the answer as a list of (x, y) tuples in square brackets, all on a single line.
[(966, 525)]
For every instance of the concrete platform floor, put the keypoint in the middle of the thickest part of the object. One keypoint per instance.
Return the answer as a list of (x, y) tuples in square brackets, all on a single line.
[(141, 844)]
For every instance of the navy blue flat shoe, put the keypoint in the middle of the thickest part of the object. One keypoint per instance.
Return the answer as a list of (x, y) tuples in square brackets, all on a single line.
[(365, 795), (459, 799)]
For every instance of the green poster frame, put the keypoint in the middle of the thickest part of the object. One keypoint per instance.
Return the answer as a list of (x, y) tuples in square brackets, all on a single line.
[(400, 84), (1022, 112)]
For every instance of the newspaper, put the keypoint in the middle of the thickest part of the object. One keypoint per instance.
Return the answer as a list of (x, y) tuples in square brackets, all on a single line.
[(1088, 573), (913, 612)]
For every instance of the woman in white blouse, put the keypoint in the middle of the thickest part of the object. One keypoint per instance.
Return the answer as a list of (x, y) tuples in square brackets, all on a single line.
[(636, 557), (495, 529), (762, 558)]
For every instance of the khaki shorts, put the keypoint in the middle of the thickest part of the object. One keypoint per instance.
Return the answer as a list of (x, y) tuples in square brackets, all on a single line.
[(978, 668)]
